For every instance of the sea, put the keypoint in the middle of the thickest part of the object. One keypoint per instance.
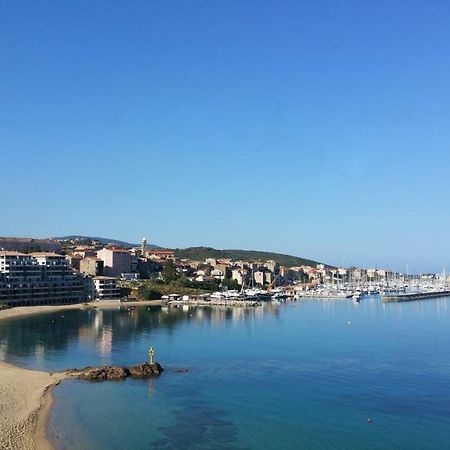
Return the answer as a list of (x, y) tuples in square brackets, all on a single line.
[(311, 374)]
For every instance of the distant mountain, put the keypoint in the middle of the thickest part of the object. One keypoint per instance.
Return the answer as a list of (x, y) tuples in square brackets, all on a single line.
[(103, 241), (201, 253)]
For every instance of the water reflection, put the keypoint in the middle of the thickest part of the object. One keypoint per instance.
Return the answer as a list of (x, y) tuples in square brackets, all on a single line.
[(294, 375), (56, 341), (26, 340)]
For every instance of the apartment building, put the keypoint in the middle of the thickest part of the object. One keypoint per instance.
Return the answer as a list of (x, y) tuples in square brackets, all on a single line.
[(105, 288), (38, 279)]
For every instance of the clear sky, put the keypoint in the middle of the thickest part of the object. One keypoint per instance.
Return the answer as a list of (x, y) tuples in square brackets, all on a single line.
[(316, 128)]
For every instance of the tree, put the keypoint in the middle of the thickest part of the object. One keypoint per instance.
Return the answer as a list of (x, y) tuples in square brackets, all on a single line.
[(230, 284), (149, 293), (169, 272)]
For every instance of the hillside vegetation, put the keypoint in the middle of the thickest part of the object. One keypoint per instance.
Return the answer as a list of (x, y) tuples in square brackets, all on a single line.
[(105, 241), (201, 253)]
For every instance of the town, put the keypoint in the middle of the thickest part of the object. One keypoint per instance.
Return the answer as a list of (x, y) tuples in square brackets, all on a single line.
[(58, 271)]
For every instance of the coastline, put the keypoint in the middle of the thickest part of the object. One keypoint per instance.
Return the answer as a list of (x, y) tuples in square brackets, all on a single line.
[(25, 400), (26, 395), (20, 311)]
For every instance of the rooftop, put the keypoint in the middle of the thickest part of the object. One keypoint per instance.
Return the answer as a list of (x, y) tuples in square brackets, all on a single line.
[(116, 250), (11, 253), (46, 254)]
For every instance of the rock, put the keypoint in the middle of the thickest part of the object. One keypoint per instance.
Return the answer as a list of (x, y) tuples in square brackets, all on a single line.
[(146, 370), (104, 373), (115, 372)]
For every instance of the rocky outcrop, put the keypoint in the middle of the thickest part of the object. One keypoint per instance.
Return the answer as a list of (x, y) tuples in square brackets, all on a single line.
[(116, 372), (145, 370)]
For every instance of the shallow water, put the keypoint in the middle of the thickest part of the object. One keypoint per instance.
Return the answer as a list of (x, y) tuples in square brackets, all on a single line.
[(300, 375)]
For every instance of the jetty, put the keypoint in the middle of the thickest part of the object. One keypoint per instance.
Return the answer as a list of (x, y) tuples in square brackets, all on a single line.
[(406, 297)]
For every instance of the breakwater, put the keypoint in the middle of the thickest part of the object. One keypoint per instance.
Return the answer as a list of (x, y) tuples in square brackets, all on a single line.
[(414, 296)]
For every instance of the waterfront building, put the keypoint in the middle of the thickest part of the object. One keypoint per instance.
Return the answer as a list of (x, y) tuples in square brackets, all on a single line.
[(273, 266), (105, 288), (268, 277), (38, 279), (259, 277), (239, 275), (26, 245), (357, 275), (115, 260)]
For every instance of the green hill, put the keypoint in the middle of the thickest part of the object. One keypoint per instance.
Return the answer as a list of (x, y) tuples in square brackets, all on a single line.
[(201, 253), (105, 241)]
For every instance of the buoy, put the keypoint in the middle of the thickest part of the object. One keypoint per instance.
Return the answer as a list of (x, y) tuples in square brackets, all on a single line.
[(369, 420)]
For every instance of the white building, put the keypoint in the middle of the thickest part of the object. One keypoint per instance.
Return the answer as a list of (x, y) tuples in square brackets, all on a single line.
[(38, 279), (105, 288)]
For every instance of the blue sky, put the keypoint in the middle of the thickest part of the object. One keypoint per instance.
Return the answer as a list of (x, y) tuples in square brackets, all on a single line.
[(316, 128)]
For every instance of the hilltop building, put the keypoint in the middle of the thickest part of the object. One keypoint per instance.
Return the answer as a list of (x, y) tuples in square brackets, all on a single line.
[(26, 245), (116, 261), (84, 251), (160, 254)]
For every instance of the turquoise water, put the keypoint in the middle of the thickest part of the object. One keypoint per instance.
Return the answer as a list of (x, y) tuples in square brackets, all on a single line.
[(304, 375)]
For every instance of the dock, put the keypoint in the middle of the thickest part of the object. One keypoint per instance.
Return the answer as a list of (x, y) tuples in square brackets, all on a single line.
[(406, 297)]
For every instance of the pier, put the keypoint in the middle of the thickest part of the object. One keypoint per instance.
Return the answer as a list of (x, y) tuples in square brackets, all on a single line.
[(405, 297)]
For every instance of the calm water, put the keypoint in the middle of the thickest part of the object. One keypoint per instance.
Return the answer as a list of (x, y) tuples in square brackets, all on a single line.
[(304, 375)]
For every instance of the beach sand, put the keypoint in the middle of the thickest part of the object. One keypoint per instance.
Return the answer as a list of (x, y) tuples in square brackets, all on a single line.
[(25, 395), (27, 310)]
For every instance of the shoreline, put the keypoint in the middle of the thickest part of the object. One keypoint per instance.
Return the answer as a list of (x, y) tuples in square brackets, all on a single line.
[(25, 399), (19, 311), (26, 395)]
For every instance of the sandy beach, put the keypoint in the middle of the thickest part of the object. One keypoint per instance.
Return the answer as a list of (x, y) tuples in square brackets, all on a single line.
[(25, 395), (28, 310)]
